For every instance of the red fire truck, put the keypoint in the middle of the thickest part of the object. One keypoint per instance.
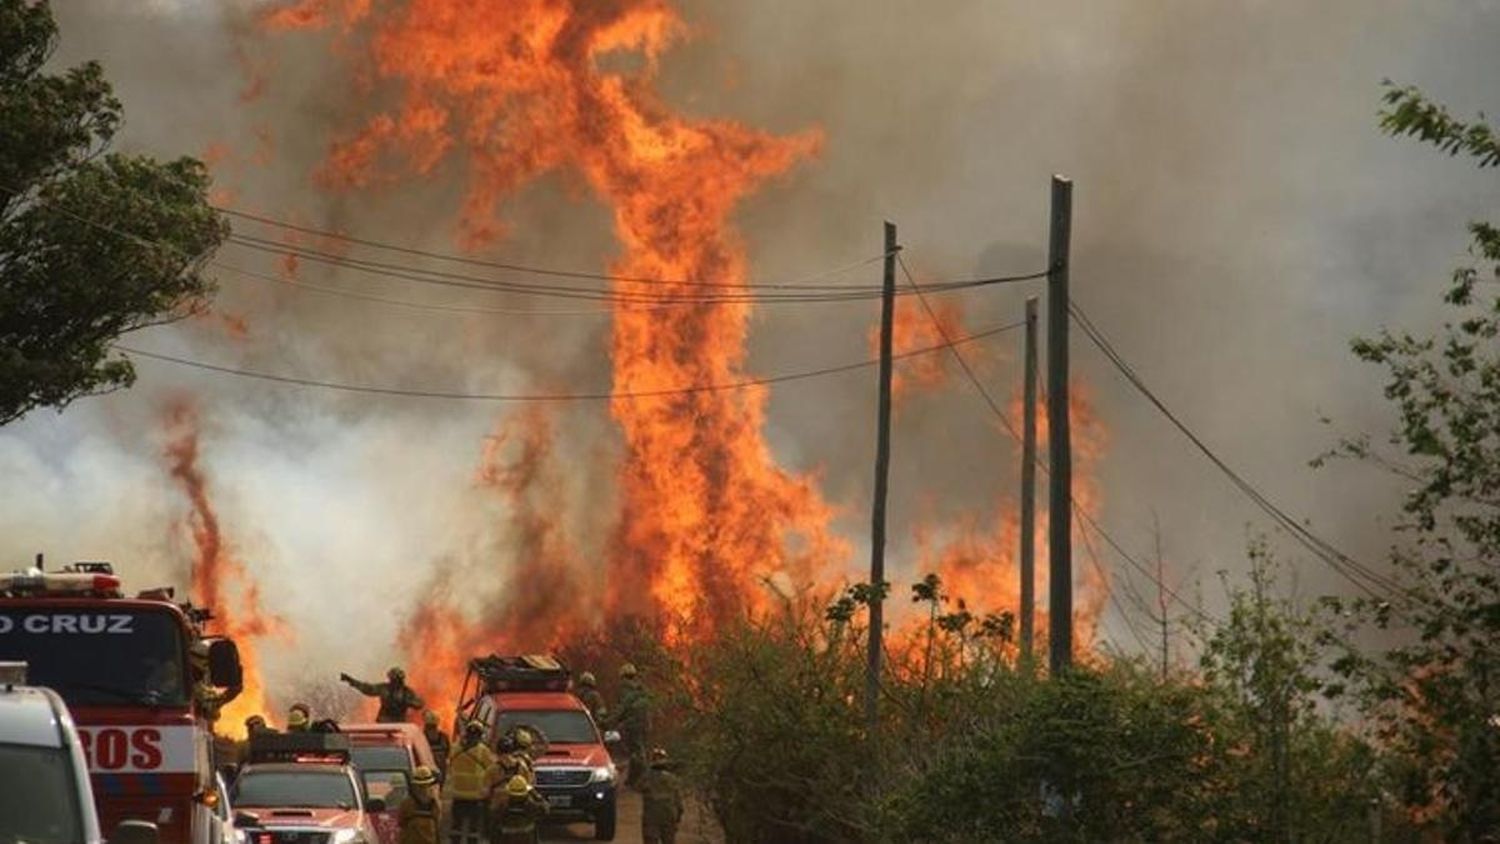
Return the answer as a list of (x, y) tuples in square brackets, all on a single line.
[(122, 667)]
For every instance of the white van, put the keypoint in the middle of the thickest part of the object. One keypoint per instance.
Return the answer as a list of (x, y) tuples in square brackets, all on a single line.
[(44, 781)]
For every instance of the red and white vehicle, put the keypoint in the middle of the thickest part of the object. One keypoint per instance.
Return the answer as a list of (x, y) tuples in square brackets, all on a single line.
[(573, 767), (301, 788), (385, 755), (121, 665)]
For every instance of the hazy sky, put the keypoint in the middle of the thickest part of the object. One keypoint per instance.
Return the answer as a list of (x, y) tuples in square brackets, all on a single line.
[(1238, 217)]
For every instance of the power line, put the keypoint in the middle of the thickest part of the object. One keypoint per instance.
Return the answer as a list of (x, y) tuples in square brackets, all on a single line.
[(549, 397), (1351, 569), (800, 285), (731, 296), (1005, 422)]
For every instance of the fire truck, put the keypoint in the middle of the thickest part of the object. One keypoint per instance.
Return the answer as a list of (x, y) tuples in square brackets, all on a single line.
[(123, 668)]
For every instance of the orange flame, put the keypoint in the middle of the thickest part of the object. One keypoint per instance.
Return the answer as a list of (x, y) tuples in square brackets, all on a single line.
[(981, 565), (216, 573), (706, 514)]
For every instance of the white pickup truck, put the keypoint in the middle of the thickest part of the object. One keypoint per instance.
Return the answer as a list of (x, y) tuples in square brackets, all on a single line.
[(44, 779)]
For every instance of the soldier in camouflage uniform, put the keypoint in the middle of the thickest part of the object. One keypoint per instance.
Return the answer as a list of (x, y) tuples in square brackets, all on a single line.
[(396, 698), (662, 803), (633, 720)]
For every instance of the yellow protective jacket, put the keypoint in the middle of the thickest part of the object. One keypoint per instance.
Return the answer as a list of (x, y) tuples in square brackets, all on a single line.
[(472, 772)]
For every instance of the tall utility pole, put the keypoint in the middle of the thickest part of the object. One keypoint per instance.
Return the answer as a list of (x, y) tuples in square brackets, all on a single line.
[(1028, 492), (882, 475), (1059, 439)]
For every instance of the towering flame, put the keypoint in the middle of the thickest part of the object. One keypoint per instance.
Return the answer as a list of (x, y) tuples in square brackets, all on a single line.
[(219, 580), (515, 88)]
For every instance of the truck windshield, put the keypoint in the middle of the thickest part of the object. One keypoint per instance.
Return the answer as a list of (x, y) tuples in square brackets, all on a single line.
[(307, 789), (102, 657), (380, 757), (559, 726), (38, 798)]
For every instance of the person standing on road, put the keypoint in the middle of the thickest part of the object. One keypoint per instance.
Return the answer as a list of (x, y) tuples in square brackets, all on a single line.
[(518, 807), (396, 698), (588, 693), (662, 803), (420, 815), (472, 773), (633, 720), (437, 740)]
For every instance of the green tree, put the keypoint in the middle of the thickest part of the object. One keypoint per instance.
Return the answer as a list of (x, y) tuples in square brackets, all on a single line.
[(1297, 777), (1435, 695), (92, 244)]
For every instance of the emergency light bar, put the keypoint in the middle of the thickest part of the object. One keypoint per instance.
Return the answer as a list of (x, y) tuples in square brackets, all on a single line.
[(90, 582), (299, 747)]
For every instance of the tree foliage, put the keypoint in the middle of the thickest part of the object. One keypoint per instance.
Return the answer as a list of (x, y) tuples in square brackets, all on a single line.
[(1435, 694), (92, 244)]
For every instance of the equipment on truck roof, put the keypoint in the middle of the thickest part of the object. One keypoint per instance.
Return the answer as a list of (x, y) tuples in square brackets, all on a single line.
[(529, 673), (299, 747)]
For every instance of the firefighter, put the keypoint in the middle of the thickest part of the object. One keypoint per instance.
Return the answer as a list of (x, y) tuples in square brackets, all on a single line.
[(633, 720), (211, 701), (436, 739), (513, 762), (472, 773), (299, 718), (517, 809), (588, 693), (255, 725), (661, 796), (395, 696), (421, 813)]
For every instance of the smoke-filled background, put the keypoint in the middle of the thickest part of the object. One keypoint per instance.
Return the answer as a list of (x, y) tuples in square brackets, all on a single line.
[(1238, 218)]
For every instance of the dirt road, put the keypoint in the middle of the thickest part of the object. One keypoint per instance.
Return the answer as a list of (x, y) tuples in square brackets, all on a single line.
[(698, 826)]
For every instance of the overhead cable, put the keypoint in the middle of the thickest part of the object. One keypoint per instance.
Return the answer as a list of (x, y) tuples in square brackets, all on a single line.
[(1006, 424), (546, 397), (1352, 570)]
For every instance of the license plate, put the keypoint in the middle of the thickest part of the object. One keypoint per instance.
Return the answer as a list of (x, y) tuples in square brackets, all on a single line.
[(561, 800)]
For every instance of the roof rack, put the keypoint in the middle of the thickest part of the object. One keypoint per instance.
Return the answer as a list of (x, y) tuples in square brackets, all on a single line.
[(299, 747), (530, 673)]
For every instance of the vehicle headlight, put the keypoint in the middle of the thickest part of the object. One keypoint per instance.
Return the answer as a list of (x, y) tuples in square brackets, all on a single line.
[(346, 836), (603, 773), (241, 837)]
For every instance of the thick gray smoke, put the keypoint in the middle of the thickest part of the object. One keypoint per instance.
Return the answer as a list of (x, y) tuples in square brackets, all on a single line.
[(1238, 218)]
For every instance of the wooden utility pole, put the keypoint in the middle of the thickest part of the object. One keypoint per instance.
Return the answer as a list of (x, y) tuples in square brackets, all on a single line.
[(882, 476), (1059, 439), (1161, 600), (1028, 493)]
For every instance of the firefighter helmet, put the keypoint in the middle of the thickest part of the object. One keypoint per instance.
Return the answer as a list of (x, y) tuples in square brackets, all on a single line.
[(430, 718), (396, 675), (628, 670), (423, 776), (297, 718), (586, 679), (518, 786)]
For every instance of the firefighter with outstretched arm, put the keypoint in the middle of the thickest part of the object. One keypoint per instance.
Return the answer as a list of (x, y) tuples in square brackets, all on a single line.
[(396, 698)]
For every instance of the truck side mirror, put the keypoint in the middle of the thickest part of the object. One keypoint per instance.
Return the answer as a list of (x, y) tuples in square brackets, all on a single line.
[(224, 669), (135, 832), (245, 820)]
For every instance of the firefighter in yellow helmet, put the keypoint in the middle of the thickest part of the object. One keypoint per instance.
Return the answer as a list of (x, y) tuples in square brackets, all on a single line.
[(420, 815), (436, 739), (588, 693), (472, 774), (517, 809), (299, 718)]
